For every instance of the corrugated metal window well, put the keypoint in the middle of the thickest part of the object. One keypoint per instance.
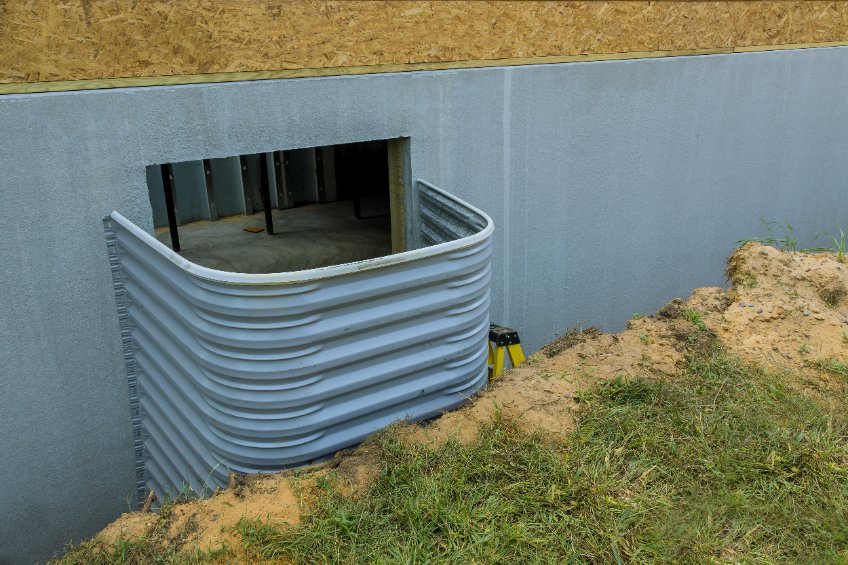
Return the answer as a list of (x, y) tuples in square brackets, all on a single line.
[(264, 371)]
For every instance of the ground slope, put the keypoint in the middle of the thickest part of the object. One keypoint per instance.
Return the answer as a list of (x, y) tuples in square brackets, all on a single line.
[(785, 312)]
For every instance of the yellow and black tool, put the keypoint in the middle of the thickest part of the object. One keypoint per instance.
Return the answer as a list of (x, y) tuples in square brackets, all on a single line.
[(503, 340)]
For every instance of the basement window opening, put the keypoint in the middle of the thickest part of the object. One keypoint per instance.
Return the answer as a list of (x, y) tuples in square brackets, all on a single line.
[(283, 211)]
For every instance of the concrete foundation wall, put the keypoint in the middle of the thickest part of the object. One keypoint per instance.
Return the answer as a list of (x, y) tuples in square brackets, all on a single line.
[(228, 191), (613, 186)]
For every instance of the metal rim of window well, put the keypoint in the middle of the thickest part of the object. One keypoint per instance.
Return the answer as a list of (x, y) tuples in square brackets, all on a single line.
[(264, 372)]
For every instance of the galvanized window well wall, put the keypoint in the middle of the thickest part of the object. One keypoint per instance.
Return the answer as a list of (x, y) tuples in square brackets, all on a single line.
[(262, 372)]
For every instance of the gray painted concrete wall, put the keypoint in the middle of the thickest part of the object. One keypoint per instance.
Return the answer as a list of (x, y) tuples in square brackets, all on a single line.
[(190, 198), (228, 191), (304, 178), (613, 186)]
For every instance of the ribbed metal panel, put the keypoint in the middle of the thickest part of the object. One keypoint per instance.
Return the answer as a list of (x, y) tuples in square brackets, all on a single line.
[(262, 372)]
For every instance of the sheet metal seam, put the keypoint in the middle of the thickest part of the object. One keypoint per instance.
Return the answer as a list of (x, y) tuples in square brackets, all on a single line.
[(129, 359)]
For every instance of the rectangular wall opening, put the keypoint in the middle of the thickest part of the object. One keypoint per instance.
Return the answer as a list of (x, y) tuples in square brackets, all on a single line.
[(284, 210)]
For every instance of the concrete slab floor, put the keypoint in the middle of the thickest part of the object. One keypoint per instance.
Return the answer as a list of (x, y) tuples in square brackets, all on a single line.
[(316, 235)]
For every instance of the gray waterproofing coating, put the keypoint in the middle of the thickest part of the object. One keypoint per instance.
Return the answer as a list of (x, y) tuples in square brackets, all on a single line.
[(614, 185), (263, 372)]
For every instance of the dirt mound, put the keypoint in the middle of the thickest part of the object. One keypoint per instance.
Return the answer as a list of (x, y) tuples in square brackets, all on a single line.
[(789, 310), (784, 312)]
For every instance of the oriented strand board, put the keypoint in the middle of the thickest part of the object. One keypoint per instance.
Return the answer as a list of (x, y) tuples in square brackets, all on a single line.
[(62, 40)]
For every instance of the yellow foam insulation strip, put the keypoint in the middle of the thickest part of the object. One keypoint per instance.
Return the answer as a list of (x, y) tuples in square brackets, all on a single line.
[(49, 45)]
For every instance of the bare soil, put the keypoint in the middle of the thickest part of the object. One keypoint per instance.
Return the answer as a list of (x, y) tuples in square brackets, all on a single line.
[(785, 312)]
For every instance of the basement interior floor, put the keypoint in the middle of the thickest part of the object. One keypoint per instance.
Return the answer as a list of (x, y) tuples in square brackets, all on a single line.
[(306, 237)]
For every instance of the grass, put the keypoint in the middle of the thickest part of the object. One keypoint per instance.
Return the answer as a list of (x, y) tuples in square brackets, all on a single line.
[(144, 551), (838, 247), (834, 366), (788, 241), (723, 463), (696, 319)]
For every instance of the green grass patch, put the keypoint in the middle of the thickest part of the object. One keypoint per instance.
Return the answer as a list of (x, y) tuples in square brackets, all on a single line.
[(831, 365), (144, 551), (696, 319), (723, 463), (788, 241)]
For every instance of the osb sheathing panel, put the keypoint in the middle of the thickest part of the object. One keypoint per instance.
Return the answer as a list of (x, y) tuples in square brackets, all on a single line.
[(42, 40)]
